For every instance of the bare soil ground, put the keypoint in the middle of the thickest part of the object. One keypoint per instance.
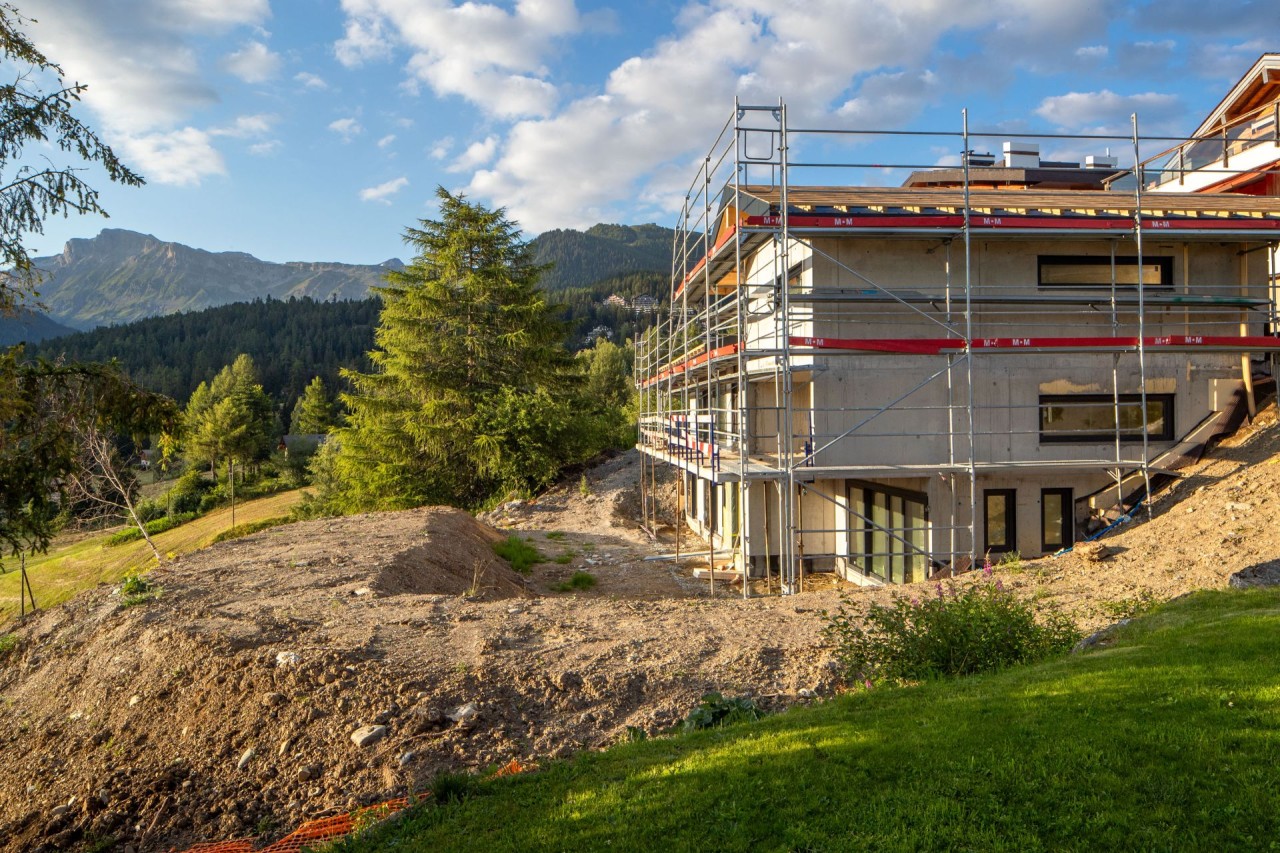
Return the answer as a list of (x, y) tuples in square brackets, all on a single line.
[(227, 706)]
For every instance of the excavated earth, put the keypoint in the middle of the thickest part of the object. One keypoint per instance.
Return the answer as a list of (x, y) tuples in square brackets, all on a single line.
[(226, 707)]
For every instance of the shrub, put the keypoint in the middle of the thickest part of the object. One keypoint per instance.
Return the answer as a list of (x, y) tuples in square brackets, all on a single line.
[(580, 580), (954, 631), (185, 494), (520, 554), (716, 710), (136, 590), (160, 525)]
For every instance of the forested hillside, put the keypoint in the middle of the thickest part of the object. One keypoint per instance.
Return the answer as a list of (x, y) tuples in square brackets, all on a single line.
[(581, 258), (290, 340), (585, 307)]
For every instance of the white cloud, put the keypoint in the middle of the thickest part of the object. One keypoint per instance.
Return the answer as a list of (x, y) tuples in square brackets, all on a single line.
[(476, 155), (182, 158), (347, 128), (1106, 112), (311, 81), (441, 147), (253, 63), (386, 140), (264, 149), (382, 193), (145, 79), (1093, 51), (482, 52), (247, 126)]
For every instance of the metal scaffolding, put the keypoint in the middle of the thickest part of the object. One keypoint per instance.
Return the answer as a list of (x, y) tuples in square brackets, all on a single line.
[(728, 382)]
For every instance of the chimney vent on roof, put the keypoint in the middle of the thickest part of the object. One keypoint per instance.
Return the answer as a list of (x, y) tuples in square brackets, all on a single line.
[(1097, 161), (1021, 155), (973, 158)]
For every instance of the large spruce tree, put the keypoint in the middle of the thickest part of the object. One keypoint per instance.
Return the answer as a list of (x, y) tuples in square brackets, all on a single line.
[(473, 392)]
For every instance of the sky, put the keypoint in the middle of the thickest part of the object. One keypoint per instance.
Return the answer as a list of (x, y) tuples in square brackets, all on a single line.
[(319, 130)]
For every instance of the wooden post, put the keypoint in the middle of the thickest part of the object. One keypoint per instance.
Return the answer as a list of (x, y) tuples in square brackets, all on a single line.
[(24, 585), (231, 482)]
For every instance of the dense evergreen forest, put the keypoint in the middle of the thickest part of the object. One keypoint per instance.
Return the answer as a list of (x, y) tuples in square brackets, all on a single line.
[(582, 259), (290, 341)]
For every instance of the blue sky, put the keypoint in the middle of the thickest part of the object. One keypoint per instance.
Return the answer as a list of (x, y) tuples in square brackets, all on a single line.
[(319, 129)]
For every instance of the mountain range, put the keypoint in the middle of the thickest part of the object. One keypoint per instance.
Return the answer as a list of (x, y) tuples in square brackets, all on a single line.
[(120, 276)]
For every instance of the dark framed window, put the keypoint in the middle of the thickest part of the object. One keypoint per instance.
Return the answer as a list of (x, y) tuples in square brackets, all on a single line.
[(1095, 271), (888, 531), (1091, 418), (1057, 519), (1000, 522)]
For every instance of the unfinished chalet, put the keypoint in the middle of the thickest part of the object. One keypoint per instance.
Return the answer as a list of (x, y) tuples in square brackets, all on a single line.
[(994, 357)]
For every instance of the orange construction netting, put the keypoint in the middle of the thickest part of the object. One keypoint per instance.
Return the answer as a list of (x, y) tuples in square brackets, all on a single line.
[(331, 828)]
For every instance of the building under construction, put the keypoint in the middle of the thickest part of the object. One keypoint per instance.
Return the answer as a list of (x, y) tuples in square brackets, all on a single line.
[(993, 357)]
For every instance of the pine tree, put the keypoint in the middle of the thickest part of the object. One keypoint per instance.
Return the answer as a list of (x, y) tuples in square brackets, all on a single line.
[(315, 412), (472, 390), (230, 417)]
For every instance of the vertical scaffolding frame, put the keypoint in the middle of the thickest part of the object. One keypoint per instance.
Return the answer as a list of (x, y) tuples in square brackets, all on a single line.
[(722, 367)]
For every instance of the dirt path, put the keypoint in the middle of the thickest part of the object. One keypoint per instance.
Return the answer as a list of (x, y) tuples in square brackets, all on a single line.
[(228, 705)]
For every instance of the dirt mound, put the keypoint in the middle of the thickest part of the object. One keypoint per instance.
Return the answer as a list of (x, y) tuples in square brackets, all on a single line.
[(456, 557)]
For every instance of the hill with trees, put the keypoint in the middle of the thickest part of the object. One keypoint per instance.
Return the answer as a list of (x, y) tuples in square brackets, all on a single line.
[(291, 341), (582, 258), (29, 326)]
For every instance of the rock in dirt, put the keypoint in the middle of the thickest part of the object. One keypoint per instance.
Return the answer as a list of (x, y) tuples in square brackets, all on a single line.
[(288, 659), (368, 735), (1093, 552), (270, 700), (1263, 574), (465, 713), (246, 758)]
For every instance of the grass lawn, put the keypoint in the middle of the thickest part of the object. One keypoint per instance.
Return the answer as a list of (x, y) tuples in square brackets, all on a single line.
[(1168, 740), (78, 565)]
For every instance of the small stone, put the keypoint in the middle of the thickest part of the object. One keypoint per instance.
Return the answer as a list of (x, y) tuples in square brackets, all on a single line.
[(308, 772), (805, 693), (271, 700), (465, 713), (288, 659), (284, 746), (405, 758), (1092, 552), (384, 717), (246, 758), (59, 811), (134, 700), (364, 590), (368, 735)]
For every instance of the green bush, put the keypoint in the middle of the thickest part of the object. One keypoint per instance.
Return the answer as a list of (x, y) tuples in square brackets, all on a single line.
[(137, 590), (716, 710), (580, 580), (160, 525), (185, 494), (520, 554), (953, 631)]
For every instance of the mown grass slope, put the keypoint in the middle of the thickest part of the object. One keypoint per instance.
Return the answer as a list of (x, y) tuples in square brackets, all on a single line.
[(1167, 740), (70, 567)]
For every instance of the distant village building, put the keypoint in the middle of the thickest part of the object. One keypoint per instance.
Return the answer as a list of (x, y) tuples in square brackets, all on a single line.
[(615, 301), (642, 305), (597, 333)]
